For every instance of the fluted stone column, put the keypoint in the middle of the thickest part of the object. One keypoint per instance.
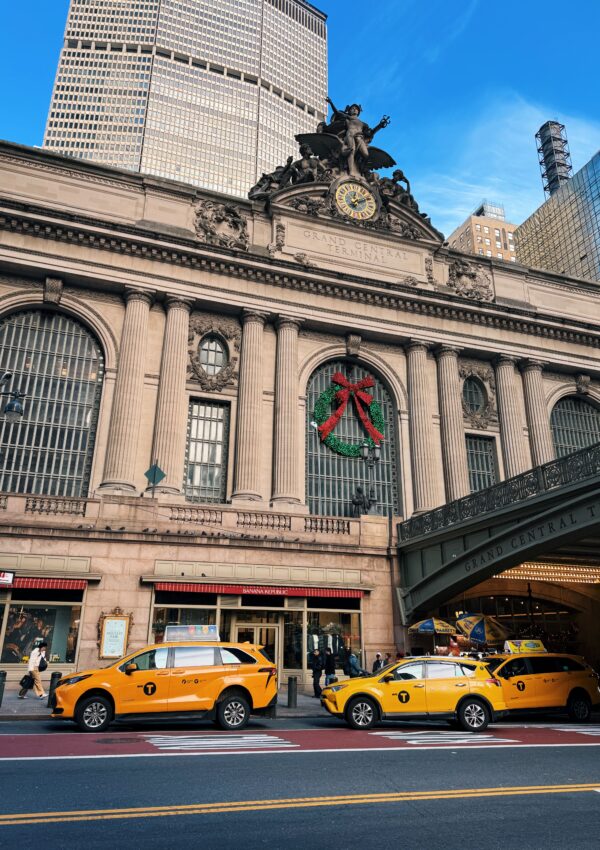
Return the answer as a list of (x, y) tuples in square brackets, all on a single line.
[(538, 421), (285, 455), (454, 451), (421, 429), (511, 422), (171, 409), (249, 416), (124, 430)]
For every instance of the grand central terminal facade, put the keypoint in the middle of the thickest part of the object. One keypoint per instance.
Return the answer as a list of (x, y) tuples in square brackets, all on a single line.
[(305, 379)]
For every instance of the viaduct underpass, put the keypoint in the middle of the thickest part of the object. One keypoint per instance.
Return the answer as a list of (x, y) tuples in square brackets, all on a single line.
[(550, 512)]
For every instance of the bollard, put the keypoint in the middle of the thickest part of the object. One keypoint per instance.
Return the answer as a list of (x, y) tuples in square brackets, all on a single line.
[(293, 692), (2, 684), (54, 680)]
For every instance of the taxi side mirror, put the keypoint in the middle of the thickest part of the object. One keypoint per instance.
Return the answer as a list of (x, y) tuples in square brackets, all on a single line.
[(389, 677), (131, 668)]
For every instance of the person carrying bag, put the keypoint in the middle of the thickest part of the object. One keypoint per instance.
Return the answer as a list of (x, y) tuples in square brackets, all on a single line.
[(37, 665)]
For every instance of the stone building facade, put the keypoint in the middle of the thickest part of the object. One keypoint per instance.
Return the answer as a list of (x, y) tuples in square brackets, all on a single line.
[(202, 333)]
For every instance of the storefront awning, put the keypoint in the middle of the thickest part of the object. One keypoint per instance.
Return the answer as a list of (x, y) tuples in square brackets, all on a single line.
[(258, 590), (49, 583)]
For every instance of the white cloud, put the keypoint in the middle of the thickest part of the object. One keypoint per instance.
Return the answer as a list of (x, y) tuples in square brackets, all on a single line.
[(498, 161)]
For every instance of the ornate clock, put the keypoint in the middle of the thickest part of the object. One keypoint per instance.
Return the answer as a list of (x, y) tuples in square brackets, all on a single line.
[(355, 201)]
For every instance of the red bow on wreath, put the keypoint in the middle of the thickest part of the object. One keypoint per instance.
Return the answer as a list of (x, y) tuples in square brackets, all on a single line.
[(358, 396)]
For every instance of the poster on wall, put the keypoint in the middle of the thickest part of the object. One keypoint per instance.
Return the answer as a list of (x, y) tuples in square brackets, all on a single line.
[(113, 639), (26, 628)]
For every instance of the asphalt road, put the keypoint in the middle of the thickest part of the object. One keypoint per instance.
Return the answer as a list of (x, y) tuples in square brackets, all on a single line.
[(300, 784)]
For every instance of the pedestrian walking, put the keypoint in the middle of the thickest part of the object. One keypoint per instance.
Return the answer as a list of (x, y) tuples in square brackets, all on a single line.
[(317, 669), (378, 663), (399, 656), (354, 668), (37, 664), (387, 659), (329, 666)]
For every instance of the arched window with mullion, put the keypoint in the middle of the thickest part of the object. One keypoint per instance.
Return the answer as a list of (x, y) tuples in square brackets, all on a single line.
[(575, 425)]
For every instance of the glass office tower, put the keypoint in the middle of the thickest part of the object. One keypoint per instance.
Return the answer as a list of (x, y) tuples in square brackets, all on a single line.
[(210, 92), (563, 235)]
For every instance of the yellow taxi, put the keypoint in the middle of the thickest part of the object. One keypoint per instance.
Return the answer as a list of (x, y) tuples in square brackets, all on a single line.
[(547, 681), (460, 690), (225, 682)]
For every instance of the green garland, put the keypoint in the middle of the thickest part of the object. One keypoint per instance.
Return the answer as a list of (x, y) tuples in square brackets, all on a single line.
[(322, 412)]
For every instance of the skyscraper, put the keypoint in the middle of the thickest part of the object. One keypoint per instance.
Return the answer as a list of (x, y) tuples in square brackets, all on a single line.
[(563, 235), (486, 232), (209, 92)]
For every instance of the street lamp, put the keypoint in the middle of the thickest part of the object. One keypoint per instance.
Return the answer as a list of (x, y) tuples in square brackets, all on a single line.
[(13, 409), (371, 455)]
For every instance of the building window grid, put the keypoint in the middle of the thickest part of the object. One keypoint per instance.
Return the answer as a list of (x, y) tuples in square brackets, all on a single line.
[(60, 367), (331, 479), (481, 461), (575, 425), (473, 395), (205, 478), (213, 355)]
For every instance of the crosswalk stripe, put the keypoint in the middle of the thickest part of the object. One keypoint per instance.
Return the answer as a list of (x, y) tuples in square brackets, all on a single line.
[(217, 742)]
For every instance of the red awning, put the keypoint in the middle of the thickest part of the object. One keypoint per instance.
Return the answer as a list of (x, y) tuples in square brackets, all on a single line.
[(258, 590), (50, 583)]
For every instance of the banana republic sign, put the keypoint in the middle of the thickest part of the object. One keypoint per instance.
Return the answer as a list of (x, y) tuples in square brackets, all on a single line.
[(539, 535)]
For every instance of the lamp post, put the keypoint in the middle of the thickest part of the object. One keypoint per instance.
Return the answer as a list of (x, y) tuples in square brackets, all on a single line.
[(371, 455), (13, 409)]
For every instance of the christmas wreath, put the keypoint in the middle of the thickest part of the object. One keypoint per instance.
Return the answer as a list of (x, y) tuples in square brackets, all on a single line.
[(341, 391)]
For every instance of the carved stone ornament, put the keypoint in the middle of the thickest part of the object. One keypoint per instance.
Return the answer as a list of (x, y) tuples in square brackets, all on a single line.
[(488, 415), (429, 269), (470, 281), (353, 342), (221, 224), (201, 325), (279, 242), (582, 383), (53, 290), (304, 260)]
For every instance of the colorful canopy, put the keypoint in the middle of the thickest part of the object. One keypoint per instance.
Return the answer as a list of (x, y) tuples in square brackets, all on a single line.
[(481, 629), (432, 626)]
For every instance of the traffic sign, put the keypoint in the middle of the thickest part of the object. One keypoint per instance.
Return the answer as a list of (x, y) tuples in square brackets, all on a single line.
[(155, 474)]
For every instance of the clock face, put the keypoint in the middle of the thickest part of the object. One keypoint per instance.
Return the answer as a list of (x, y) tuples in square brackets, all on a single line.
[(355, 201)]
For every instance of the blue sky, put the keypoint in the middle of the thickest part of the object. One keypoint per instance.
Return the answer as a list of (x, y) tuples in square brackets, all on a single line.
[(467, 83)]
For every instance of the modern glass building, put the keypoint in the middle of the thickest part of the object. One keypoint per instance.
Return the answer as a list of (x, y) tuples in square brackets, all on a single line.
[(563, 235), (209, 92)]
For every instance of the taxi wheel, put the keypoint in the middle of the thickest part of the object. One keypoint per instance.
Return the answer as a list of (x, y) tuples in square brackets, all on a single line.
[(93, 714), (361, 713), (579, 708), (233, 712), (473, 715)]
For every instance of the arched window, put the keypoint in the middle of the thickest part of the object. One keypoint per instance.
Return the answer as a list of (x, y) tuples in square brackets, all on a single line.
[(473, 395), (333, 472), (60, 367), (575, 424)]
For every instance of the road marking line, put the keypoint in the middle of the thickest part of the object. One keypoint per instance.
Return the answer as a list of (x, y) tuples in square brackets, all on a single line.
[(18, 819), (212, 742), (298, 751)]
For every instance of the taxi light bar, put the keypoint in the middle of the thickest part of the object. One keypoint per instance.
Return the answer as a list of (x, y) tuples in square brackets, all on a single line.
[(191, 632)]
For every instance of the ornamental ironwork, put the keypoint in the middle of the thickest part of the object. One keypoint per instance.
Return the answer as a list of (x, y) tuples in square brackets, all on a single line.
[(229, 332), (535, 482)]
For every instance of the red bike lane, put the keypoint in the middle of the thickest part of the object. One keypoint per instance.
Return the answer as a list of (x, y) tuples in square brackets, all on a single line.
[(74, 744)]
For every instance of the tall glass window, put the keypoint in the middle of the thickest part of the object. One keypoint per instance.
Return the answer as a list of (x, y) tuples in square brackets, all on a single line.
[(481, 460), (575, 424), (332, 478), (206, 455), (59, 365)]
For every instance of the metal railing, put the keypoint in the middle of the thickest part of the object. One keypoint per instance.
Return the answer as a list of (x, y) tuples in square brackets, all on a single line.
[(570, 469)]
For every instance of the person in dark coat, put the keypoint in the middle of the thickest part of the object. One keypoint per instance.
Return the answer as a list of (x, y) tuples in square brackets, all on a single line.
[(378, 663), (329, 666), (317, 669)]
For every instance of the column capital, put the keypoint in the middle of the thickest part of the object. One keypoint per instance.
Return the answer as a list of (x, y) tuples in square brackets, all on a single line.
[(444, 349), (250, 315), (175, 302), (531, 365), (418, 345), (502, 359), (138, 295), (288, 321)]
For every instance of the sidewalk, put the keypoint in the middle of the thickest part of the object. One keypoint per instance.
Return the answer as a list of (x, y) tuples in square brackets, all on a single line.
[(32, 708)]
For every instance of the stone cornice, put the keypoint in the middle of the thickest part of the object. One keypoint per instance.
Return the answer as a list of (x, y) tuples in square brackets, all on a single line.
[(180, 251)]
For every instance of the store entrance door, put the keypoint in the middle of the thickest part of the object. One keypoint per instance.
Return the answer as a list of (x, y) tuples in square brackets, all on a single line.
[(267, 636)]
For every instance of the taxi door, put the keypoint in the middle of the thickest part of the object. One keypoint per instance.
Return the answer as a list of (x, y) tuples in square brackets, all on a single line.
[(550, 681), (146, 689), (193, 678), (405, 693), (444, 686), (518, 685)]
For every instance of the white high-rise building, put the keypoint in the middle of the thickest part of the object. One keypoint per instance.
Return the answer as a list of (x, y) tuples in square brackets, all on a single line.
[(210, 92)]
